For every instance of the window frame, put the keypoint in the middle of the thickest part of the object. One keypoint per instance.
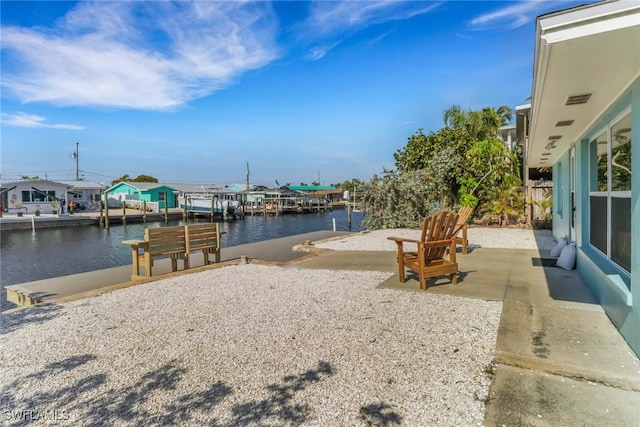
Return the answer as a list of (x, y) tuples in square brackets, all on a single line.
[(609, 194)]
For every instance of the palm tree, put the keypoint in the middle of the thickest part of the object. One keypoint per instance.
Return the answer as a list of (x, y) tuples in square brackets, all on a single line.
[(493, 119), (506, 113), (456, 117)]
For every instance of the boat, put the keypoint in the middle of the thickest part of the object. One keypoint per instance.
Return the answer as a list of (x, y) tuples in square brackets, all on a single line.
[(218, 203)]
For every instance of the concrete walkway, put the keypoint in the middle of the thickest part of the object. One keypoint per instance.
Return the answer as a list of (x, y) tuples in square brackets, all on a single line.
[(559, 360)]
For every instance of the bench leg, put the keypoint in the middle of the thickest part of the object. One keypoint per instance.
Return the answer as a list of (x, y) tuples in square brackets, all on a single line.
[(207, 252), (135, 262), (147, 264)]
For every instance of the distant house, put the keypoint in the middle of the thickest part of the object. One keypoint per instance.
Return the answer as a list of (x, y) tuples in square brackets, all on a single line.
[(29, 196), (84, 193), (240, 187), (135, 193), (327, 191), (584, 122)]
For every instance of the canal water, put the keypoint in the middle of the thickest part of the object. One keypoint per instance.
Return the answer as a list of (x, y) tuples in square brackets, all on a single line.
[(52, 252)]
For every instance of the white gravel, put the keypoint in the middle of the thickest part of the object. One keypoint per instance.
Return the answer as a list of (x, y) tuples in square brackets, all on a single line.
[(479, 237), (254, 345)]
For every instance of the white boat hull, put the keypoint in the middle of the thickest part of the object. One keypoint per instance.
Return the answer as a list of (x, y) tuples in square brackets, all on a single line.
[(203, 204)]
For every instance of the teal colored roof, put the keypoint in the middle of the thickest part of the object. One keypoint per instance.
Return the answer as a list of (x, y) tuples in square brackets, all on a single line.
[(313, 188), (140, 186)]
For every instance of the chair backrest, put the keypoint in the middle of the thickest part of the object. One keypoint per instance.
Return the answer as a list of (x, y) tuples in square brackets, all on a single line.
[(439, 226), (463, 215)]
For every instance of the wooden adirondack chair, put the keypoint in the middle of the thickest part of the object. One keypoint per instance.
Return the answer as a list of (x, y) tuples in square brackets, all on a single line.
[(461, 226), (436, 250)]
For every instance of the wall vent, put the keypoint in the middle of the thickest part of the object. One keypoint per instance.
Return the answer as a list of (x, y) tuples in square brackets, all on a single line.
[(578, 99), (554, 137), (564, 123)]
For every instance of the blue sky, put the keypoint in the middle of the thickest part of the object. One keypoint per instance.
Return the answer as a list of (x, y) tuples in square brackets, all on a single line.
[(191, 92)]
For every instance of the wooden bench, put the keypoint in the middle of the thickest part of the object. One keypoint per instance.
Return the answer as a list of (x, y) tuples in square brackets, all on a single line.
[(176, 242)]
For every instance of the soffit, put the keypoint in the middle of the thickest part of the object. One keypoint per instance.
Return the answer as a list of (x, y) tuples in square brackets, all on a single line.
[(602, 61)]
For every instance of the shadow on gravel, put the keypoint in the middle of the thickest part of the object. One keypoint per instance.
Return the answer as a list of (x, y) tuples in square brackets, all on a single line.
[(14, 321), (379, 414), (278, 407), (96, 400)]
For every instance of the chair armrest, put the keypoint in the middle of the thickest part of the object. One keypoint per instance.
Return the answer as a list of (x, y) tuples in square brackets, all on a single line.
[(402, 239), (135, 244), (459, 228)]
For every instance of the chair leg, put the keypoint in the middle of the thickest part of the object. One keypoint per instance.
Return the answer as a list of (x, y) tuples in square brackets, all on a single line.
[(401, 272), (464, 240), (423, 281), (400, 259), (454, 278)]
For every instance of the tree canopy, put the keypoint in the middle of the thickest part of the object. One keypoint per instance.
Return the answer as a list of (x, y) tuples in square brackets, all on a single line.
[(462, 164), (139, 178)]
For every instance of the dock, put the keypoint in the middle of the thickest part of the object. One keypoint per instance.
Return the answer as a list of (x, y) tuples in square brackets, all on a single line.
[(115, 217)]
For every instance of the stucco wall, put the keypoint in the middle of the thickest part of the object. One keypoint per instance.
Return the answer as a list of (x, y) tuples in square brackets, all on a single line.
[(618, 293)]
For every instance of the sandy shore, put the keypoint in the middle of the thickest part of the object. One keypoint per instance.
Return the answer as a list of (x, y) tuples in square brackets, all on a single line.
[(257, 345)]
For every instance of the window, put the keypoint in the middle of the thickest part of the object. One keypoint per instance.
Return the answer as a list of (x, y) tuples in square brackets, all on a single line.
[(610, 191), (37, 196)]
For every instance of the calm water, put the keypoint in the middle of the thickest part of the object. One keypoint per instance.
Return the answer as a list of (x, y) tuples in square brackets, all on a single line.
[(26, 256)]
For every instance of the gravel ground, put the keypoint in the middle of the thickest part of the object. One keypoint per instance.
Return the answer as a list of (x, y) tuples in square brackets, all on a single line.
[(479, 237), (254, 345)]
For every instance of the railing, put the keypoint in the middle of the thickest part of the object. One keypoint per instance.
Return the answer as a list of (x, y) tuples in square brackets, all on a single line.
[(140, 205)]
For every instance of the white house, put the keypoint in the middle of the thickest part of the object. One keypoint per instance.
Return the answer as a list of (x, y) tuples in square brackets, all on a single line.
[(85, 194), (29, 196)]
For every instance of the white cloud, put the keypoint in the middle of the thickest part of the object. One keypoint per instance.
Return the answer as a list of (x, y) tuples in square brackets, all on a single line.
[(318, 52), (330, 17), (334, 19), (512, 16), (25, 120), (139, 55)]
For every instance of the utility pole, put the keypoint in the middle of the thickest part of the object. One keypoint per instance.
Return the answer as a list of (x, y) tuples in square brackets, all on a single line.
[(75, 155), (247, 176)]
